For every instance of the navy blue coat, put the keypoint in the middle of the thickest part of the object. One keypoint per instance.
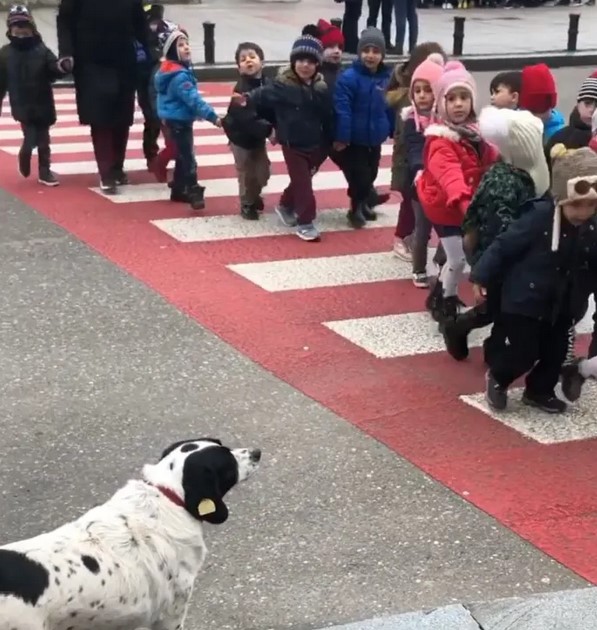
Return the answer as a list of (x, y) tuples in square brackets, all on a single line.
[(363, 116), (537, 282)]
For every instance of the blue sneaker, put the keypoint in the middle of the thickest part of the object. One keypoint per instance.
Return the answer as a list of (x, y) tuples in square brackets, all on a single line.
[(286, 215), (308, 232)]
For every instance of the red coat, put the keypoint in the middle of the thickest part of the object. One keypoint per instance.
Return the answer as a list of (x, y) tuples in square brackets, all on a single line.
[(451, 173)]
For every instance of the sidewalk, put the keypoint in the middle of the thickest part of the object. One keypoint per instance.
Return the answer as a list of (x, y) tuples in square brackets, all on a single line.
[(274, 26)]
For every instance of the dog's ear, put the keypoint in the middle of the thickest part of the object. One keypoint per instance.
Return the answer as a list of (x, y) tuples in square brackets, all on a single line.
[(203, 497)]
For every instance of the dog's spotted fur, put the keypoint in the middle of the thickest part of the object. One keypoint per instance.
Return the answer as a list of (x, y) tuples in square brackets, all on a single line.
[(131, 562)]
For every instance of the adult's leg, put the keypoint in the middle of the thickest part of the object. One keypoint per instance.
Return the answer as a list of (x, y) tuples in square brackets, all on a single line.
[(151, 123), (413, 23), (102, 139), (374, 6), (120, 139), (350, 24), (387, 8), (400, 13)]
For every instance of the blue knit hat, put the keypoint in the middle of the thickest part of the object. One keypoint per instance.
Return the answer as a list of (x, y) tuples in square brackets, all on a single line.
[(306, 46)]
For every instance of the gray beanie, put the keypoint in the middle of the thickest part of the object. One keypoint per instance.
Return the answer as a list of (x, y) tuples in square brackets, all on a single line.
[(372, 36)]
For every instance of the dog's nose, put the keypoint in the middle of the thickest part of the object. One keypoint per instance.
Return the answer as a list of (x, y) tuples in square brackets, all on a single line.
[(255, 454)]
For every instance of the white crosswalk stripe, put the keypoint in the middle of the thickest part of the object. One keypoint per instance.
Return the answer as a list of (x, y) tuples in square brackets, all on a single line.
[(387, 336)]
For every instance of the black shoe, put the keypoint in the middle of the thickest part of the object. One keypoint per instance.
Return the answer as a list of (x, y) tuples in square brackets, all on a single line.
[(377, 199), (369, 213), (46, 177), (179, 195), (546, 402), (197, 197), (24, 162), (249, 212), (433, 302), (355, 216), (495, 394), (572, 381), (121, 178), (259, 204), (108, 186)]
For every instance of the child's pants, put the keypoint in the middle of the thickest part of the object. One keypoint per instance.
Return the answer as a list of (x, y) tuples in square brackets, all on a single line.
[(452, 271), (298, 195), (360, 166), (109, 147), (253, 171), (185, 169), (37, 136), (406, 216), (536, 347)]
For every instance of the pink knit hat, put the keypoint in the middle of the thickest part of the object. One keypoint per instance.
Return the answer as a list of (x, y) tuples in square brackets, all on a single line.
[(455, 75), (429, 70)]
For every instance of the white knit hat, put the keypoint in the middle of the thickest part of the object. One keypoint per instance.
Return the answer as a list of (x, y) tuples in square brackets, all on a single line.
[(518, 135)]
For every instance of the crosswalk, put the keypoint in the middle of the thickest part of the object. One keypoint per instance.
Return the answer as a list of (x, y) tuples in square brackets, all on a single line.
[(273, 261)]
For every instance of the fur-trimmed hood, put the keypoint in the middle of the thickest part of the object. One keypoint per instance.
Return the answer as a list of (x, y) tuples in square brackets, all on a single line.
[(395, 97), (288, 76), (407, 112), (438, 130)]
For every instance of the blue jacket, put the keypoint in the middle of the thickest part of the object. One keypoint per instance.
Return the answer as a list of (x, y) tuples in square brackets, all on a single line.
[(178, 97), (362, 115), (537, 282), (554, 123)]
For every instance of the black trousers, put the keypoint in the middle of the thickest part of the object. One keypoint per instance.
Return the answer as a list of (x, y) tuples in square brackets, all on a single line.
[(37, 136), (360, 166), (350, 24), (536, 348), (151, 124), (387, 8)]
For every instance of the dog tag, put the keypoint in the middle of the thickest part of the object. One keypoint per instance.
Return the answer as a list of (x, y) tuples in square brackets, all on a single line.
[(206, 506)]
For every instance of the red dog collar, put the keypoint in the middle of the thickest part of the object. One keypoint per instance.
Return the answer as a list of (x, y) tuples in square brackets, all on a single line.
[(170, 494)]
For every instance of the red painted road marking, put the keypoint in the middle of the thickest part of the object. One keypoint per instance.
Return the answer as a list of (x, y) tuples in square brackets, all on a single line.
[(547, 494)]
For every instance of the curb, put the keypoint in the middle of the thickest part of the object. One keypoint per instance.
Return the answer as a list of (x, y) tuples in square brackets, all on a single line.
[(224, 72)]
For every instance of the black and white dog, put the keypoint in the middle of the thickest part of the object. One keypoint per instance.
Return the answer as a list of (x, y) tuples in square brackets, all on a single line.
[(131, 562)]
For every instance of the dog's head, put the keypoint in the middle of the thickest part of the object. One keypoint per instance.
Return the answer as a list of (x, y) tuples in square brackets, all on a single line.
[(200, 472)]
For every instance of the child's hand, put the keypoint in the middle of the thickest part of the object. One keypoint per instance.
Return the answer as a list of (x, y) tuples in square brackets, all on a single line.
[(479, 293), (239, 99), (66, 65), (218, 122), (340, 146)]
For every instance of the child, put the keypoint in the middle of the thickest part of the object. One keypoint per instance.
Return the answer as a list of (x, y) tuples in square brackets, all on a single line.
[(416, 119), (248, 132), (455, 159), (397, 97), (363, 123), (179, 104), (302, 108), (505, 89), (27, 69), (332, 40), (502, 197), (593, 140), (539, 259), (577, 133), (539, 95)]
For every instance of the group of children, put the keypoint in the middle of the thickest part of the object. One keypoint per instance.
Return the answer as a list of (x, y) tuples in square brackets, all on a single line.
[(510, 189)]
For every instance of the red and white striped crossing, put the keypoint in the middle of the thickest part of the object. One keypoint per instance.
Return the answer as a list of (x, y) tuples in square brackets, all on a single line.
[(340, 319)]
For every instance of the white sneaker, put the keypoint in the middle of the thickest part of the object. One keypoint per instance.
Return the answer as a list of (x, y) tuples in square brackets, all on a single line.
[(401, 250)]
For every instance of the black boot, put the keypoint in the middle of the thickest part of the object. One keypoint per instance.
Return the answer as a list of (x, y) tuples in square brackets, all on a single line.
[(355, 215), (449, 310), (45, 175), (369, 213), (196, 197), (572, 381), (24, 160), (457, 330), (434, 300), (249, 212), (179, 195)]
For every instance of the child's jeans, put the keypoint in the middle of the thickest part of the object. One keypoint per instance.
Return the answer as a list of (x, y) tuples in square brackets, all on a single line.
[(185, 170), (298, 196), (253, 171), (452, 272)]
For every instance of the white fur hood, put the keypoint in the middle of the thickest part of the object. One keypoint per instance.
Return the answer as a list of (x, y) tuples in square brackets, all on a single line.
[(438, 130), (407, 112)]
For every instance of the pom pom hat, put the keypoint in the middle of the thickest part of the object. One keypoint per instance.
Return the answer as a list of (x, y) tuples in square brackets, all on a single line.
[(455, 75), (538, 91), (330, 35), (306, 46), (518, 135), (573, 177), (429, 70)]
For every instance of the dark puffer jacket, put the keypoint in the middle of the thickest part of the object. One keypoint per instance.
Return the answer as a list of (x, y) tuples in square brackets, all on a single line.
[(304, 113), (575, 135), (27, 69)]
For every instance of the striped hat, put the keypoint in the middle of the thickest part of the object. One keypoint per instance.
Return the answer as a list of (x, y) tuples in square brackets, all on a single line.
[(588, 89), (306, 46)]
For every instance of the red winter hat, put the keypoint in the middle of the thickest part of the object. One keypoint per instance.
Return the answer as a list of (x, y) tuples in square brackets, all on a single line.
[(538, 92), (330, 35)]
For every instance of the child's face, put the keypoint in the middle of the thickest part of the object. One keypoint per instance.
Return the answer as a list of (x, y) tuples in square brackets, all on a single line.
[(422, 95), (305, 68), (333, 54), (22, 29), (586, 108), (579, 211), (504, 98), (183, 49), (459, 105), (249, 62), (371, 57)]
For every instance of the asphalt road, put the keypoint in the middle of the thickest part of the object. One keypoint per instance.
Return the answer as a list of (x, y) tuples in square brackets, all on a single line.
[(99, 374)]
